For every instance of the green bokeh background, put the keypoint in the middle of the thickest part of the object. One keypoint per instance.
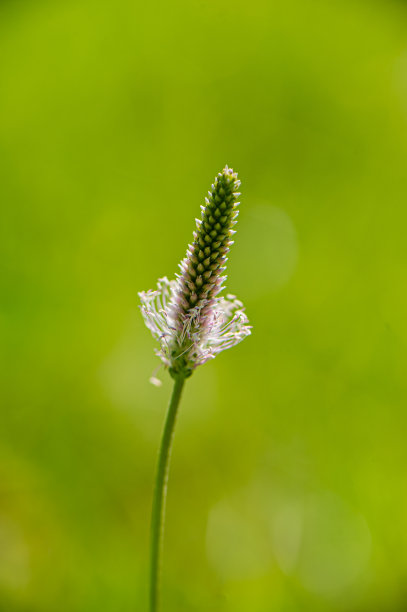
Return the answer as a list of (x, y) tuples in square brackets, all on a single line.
[(288, 480)]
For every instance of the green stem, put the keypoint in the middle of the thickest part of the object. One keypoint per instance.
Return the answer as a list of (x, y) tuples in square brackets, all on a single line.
[(160, 492)]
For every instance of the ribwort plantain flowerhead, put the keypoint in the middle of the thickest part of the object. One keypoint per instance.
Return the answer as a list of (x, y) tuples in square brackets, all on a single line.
[(188, 318)]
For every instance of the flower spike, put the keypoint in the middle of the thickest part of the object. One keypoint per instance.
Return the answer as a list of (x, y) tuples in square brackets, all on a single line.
[(187, 317)]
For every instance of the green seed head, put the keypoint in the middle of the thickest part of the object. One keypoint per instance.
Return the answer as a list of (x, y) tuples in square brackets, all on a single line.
[(187, 317), (202, 269)]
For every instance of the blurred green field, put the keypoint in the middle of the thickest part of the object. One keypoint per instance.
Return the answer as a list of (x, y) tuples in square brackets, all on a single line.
[(288, 487)]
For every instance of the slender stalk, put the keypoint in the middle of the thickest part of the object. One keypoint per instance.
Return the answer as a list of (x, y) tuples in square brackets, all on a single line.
[(160, 493)]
